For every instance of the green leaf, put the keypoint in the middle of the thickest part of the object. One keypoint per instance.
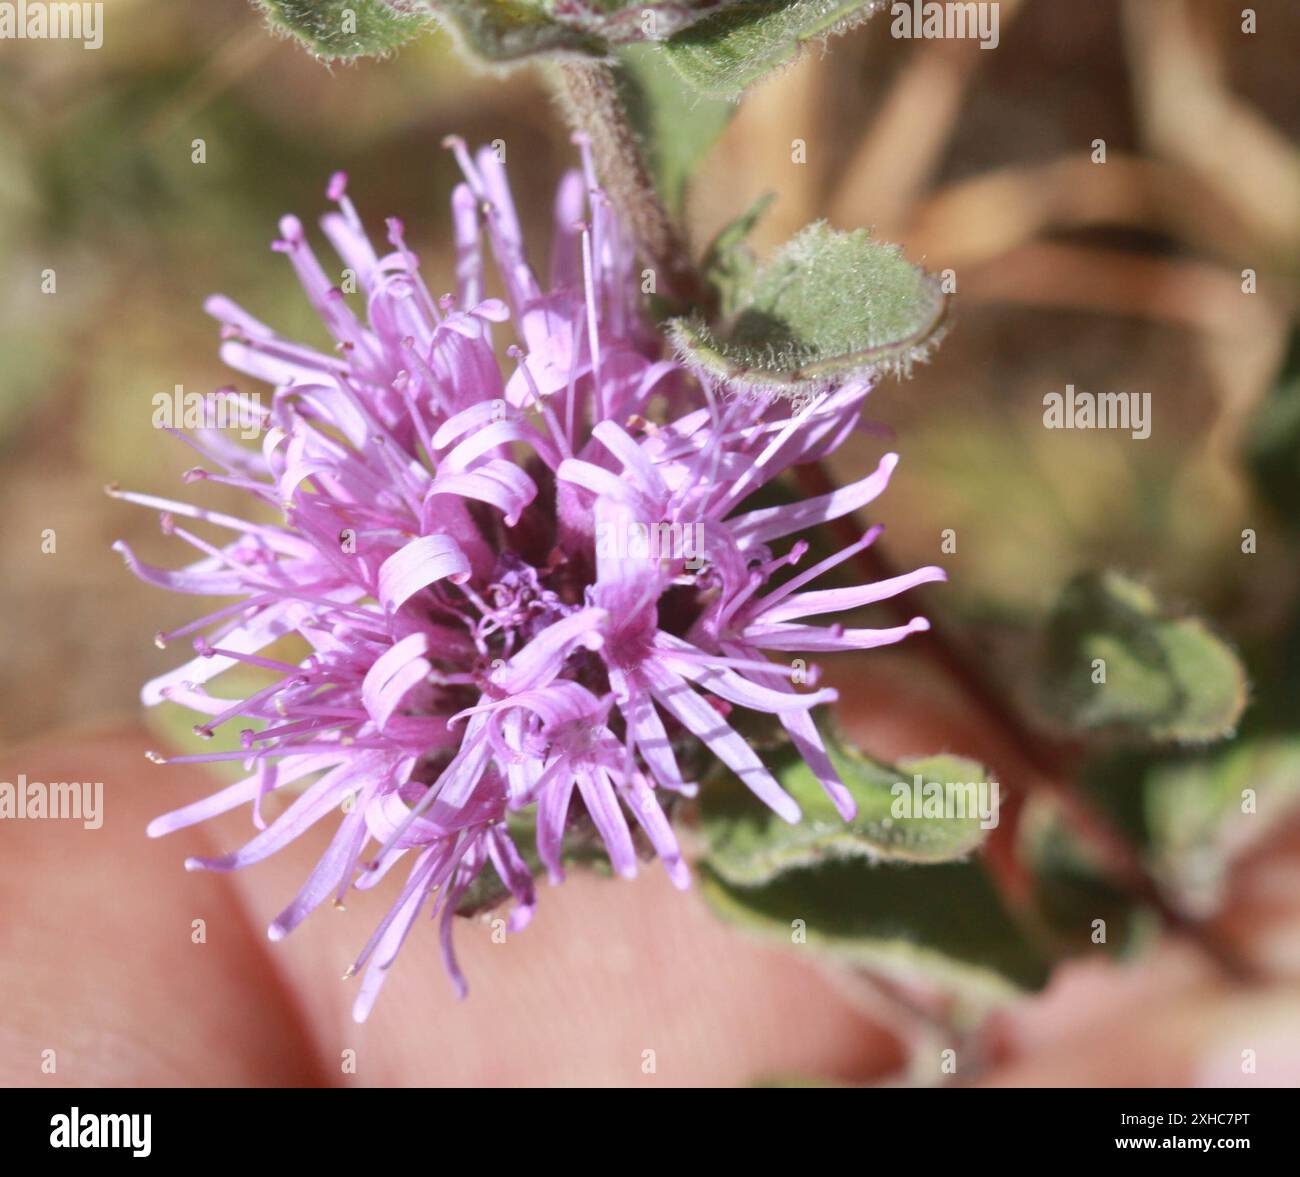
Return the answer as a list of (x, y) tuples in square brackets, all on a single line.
[(728, 263), (749, 845), (882, 892), (503, 31), (1206, 813), (740, 40), (677, 128), (1165, 678), (945, 922), (345, 29), (726, 52), (1273, 439), (826, 306), (509, 30)]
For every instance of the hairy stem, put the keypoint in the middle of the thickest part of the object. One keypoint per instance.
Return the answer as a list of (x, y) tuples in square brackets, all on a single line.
[(591, 98)]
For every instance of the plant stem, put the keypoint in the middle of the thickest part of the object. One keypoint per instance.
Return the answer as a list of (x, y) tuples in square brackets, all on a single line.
[(595, 108)]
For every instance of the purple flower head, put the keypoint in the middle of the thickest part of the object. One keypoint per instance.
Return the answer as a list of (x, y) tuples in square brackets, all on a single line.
[(528, 590)]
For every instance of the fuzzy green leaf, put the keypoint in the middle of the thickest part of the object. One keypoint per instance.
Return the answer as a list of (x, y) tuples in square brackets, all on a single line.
[(749, 845), (724, 53), (509, 30), (883, 892), (345, 29), (728, 263), (504, 31), (1164, 678), (1204, 814), (826, 306), (944, 922)]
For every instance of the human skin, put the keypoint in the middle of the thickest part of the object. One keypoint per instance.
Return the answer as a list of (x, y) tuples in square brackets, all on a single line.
[(99, 964)]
